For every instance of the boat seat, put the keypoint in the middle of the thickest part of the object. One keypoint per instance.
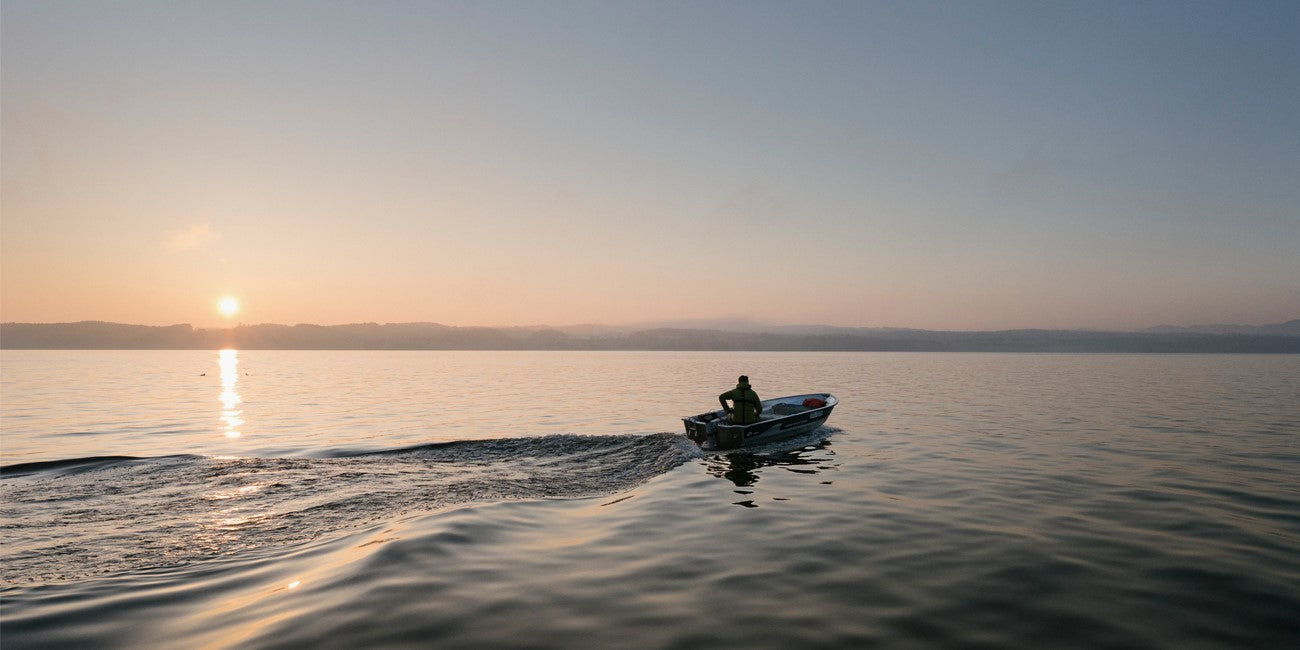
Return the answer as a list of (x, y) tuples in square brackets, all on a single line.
[(788, 409)]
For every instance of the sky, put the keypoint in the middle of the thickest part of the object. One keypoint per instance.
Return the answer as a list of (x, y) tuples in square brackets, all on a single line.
[(951, 165)]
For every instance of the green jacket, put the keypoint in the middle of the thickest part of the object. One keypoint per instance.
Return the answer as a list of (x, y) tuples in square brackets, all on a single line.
[(747, 403)]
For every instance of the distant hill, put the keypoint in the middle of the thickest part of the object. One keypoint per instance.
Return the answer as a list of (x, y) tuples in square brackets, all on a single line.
[(1289, 328), (1282, 338), (96, 335)]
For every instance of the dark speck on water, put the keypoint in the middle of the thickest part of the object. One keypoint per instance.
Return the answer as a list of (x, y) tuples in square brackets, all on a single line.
[(548, 500)]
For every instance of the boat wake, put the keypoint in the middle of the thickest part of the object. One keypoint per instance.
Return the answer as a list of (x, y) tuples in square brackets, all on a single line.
[(69, 519)]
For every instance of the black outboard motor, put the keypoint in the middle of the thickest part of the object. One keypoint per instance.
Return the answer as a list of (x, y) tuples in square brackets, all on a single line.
[(699, 427)]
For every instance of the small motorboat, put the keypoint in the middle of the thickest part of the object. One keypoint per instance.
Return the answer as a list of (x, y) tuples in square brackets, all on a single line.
[(780, 418)]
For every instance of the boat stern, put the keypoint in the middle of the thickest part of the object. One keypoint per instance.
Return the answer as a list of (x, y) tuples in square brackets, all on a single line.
[(729, 436), (700, 427)]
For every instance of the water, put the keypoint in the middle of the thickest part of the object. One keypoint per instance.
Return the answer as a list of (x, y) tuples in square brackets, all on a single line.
[(546, 499)]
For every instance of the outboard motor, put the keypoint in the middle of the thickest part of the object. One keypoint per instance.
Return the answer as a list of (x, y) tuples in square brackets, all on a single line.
[(698, 433), (699, 427)]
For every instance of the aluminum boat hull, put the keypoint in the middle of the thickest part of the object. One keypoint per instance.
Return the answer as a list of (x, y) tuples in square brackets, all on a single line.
[(781, 418)]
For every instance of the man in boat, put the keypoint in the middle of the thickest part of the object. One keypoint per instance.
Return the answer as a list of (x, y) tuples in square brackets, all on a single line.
[(745, 400)]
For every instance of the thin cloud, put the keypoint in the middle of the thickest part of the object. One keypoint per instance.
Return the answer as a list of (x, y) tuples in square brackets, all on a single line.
[(190, 238)]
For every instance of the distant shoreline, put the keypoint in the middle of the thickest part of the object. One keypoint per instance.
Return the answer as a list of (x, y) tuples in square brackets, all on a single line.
[(97, 335)]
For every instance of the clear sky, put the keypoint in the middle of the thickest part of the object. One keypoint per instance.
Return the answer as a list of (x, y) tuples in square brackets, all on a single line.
[(951, 165)]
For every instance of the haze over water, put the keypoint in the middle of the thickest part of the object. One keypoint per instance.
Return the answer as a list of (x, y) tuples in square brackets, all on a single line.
[(546, 499)]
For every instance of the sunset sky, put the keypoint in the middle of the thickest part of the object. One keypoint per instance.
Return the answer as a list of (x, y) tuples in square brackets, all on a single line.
[(951, 165)]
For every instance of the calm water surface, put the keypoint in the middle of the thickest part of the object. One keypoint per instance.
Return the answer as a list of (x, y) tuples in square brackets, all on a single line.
[(544, 499)]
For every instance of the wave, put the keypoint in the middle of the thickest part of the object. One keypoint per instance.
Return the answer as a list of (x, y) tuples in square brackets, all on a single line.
[(170, 510), (71, 466), (611, 447), (69, 519)]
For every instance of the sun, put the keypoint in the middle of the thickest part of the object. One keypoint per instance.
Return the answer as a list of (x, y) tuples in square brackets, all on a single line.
[(228, 306)]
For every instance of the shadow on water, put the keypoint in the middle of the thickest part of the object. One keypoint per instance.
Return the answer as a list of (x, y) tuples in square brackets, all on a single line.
[(744, 469)]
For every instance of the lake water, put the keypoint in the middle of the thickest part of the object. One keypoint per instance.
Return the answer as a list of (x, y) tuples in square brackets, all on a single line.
[(262, 499)]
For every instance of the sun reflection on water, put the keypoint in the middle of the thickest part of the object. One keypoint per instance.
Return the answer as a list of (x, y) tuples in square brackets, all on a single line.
[(231, 414)]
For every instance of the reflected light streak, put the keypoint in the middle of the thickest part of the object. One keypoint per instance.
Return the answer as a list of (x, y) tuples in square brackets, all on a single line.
[(236, 493), (230, 400)]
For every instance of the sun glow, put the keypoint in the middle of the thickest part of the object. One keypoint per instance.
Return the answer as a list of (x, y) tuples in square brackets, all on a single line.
[(228, 306)]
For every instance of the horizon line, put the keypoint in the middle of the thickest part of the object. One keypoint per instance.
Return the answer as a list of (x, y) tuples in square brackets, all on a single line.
[(718, 324)]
